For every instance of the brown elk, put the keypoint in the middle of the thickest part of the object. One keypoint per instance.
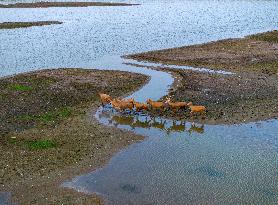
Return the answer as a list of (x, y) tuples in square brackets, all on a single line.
[(121, 105), (156, 105), (175, 105), (105, 99), (195, 109), (140, 106)]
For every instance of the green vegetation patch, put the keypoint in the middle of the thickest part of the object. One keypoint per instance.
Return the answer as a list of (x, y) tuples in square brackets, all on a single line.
[(271, 36), (56, 115), (19, 87), (41, 144), (47, 117), (36, 144)]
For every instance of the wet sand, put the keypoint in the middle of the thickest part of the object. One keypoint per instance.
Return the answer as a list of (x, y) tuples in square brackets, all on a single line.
[(14, 25), (48, 134), (62, 4), (248, 95)]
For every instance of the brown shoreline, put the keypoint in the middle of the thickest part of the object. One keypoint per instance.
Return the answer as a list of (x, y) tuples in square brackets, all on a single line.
[(34, 176), (62, 4), (14, 25), (247, 96)]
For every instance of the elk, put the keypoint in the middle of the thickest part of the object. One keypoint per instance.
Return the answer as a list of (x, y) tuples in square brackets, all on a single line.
[(175, 105), (156, 104), (140, 106), (121, 105), (105, 99), (130, 100), (196, 108)]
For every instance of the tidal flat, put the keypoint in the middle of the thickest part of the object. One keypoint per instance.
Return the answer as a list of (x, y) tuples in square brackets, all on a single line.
[(45, 4), (46, 135), (248, 95), (14, 25)]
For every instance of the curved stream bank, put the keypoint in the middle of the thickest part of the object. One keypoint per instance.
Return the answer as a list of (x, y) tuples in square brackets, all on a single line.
[(181, 162)]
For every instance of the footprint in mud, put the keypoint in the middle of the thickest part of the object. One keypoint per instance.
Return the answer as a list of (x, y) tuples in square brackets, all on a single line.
[(131, 188)]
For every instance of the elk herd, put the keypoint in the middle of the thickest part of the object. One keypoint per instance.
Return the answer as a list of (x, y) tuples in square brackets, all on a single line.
[(130, 104)]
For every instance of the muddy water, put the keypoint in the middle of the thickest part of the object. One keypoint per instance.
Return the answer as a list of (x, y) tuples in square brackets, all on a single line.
[(179, 162)]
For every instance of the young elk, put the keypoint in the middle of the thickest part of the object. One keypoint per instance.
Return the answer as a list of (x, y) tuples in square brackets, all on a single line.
[(156, 105), (196, 109), (105, 99)]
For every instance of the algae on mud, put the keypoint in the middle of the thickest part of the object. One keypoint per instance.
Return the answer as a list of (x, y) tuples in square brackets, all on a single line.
[(46, 135), (14, 25), (250, 94)]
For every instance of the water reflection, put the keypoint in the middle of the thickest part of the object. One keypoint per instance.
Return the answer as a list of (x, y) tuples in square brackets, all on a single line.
[(234, 164), (135, 120)]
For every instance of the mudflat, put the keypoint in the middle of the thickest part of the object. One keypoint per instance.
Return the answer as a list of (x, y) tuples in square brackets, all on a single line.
[(48, 133), (14, 25), (45, 4), (250, 94)]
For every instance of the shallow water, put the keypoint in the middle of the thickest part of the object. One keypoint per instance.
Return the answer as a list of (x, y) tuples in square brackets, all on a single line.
[(179, 162), (188, 163), (5, 198), (89, 34)]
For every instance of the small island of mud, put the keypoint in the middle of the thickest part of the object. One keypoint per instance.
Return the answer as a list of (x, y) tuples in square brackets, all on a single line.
[(14, 25), (48, 133), (250, 94), (45, 4)]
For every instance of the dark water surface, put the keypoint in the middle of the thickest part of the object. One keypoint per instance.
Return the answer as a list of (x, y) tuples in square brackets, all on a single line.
[(179, 162)]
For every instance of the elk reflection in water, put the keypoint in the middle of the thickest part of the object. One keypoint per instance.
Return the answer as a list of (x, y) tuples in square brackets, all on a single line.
[(139, 120), (177, 127), (142, 124), (195, 128), (159, 125), (123, 120)]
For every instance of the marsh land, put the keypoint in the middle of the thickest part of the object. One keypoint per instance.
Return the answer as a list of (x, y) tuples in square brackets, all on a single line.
[(48, 132), (249, 94)]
